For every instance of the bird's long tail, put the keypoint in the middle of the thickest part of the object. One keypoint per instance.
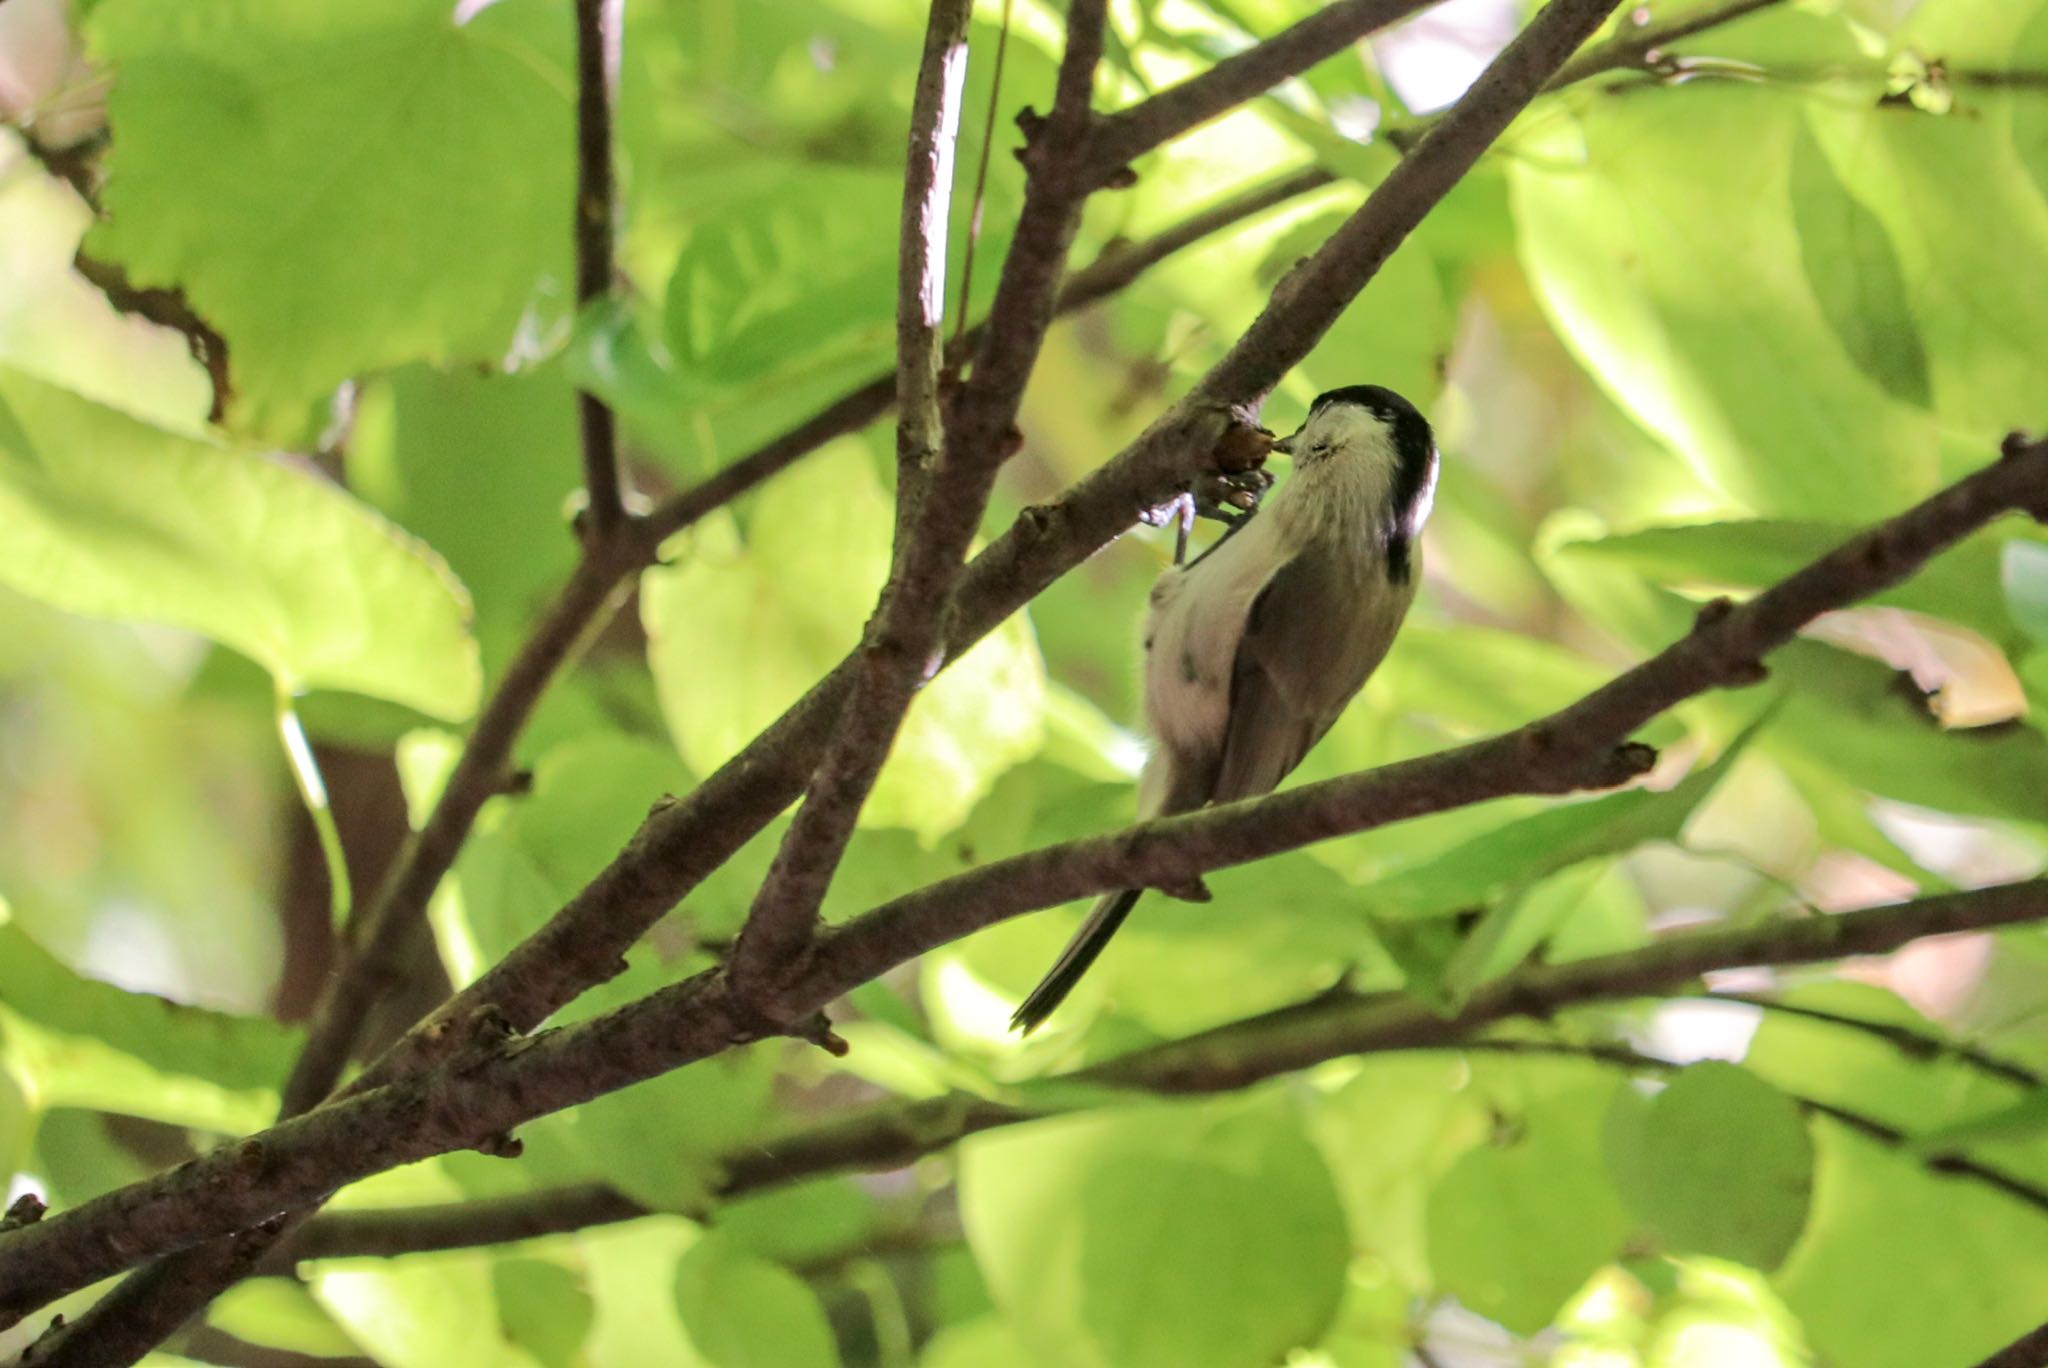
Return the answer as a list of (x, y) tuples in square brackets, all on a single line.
[(1073, 962)]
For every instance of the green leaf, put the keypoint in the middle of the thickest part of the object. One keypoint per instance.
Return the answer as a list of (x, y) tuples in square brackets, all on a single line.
[(341, 188), (1391, 1134), (56, 326), (1631, 225), (112, 518), (1516, 1228), (632, 1279), (738, 629), (544, 1309), (279, 1313), (985, 1342), (1963, 196), (1719, 1163), (1885, 1232), (802, 1222), (482, 469), (791, 263), (69, 1041), (1191, 1236), (1847, 713), (2023, 1120), (1854, 273), (1960, 584), (744, 1312)]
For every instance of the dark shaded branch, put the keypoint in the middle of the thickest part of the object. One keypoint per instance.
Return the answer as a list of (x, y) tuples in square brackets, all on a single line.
[(387, 1231), (949, 475), (1919, 1046), (2028, 1351), (598, 37), (1890, 1136), (486, 1092), (1639, 46), (167, 309), (1129, 133)]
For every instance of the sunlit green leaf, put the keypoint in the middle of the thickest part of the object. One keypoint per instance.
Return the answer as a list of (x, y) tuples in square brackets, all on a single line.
[(342, 188), (544, 1309), (55, 325), (1634, 223), (1516, 1226), (741, 1311), (279, 1313), (110, 517), (1189, 1236), (1970, 1260), (71, 1042)]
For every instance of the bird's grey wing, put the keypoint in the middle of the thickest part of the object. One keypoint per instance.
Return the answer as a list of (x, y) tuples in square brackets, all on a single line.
[(1313, 636)]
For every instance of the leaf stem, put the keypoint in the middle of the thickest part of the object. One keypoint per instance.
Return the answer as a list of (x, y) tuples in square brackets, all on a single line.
[(305, 769)]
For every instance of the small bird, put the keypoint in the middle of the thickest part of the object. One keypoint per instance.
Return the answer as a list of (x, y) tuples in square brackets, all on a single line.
[(1254, 648)]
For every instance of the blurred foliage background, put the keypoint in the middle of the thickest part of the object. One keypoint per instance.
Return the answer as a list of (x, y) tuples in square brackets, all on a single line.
[(1680, 332)]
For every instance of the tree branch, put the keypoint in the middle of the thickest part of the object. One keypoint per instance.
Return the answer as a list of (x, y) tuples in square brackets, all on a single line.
[(487, 1092), (1622, 1056), (1918, 1046), (2028, 1351), (894, 1135), (942, 507), (1129, 133), (1639, 46), (598, 37)]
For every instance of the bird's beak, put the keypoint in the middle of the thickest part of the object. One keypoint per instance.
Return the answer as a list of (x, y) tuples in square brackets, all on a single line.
[(1285, 446)]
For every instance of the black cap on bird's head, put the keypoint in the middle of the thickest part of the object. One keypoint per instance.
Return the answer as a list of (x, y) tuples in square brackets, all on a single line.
[(1411, 434)]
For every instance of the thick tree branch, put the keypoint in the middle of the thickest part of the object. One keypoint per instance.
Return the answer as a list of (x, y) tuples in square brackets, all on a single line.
[(598, 38), (902, 634), (488, 1091)]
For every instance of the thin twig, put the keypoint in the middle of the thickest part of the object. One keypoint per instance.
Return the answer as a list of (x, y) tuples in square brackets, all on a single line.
[(598, 38), (904, 646), (1130, 133), (1890, 1136), (482, 1094), (1639, 45), (1916, 1045), (988, 146)]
